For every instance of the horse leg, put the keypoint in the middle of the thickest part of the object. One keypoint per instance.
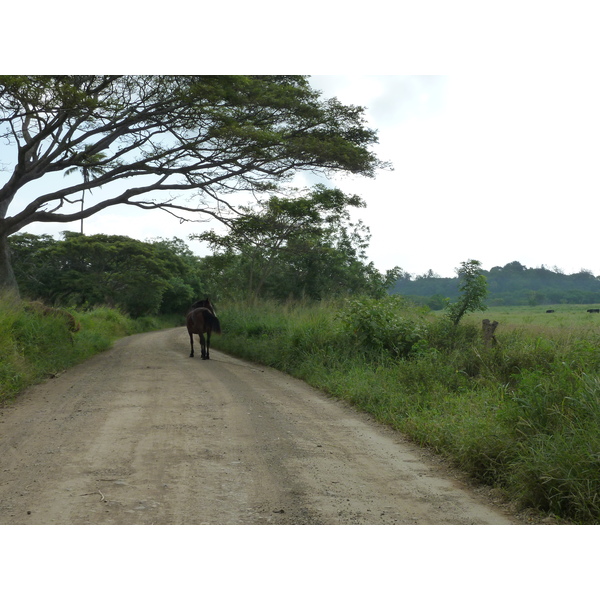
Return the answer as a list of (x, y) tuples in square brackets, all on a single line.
[(192, 345), (207, 345), (203, 344)]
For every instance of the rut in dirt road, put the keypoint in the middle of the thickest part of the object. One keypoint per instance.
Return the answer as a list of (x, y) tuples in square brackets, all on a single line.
[(143, 434)]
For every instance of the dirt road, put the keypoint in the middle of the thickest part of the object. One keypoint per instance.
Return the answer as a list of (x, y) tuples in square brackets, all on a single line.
[(142, 434)]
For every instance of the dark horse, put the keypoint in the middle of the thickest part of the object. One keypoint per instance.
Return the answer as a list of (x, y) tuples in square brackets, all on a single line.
[(201, 319)]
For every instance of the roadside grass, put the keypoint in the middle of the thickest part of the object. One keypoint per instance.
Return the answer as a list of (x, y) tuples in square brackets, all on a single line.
[(34, 346), (523, 416)]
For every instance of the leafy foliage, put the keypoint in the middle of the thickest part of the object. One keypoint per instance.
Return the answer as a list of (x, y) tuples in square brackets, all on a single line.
[(141, 278), (473, 290), (299, 247), (157, 142), (377, 326)]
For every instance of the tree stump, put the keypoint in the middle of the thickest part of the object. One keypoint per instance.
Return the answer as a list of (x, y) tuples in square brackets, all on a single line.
[(489, 327)]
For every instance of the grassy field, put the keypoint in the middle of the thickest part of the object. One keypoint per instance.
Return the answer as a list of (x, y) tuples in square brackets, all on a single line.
[(523, 415), (565, 318)]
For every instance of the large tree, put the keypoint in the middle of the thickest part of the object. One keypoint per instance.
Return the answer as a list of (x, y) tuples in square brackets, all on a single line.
[(181, 144), (298, 246)]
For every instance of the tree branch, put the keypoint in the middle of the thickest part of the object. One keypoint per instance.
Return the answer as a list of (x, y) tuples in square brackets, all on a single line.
[(209, 136)]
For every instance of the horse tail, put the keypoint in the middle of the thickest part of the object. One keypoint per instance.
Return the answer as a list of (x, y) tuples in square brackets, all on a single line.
[(214, 323)]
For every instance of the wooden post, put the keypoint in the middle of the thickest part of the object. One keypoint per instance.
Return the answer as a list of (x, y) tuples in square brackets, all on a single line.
[(489, 339)]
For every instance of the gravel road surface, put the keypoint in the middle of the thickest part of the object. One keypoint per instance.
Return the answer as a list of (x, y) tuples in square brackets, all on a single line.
[(143, 434)]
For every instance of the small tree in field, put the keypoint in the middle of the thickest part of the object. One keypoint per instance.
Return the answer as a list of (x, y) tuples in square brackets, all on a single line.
[(473, 288)]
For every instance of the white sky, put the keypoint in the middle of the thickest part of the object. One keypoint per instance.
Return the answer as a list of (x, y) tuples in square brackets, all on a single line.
[(492, 167), (497, 161)]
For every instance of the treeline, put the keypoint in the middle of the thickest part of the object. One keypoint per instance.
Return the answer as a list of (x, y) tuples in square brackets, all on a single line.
[(511, 285), (163, 277), (140, 278)]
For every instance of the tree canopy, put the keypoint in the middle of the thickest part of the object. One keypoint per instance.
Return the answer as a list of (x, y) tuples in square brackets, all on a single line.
[(163, 276), (181, 144), (140, 278), (295, 247)]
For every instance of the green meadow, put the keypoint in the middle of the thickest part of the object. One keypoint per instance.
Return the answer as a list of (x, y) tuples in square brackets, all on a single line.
[(572, 317)]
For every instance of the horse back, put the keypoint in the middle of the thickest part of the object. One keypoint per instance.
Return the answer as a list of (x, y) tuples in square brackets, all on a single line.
[(202, 320)]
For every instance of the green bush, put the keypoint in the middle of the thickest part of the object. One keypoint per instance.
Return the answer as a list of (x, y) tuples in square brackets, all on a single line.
[(377, 326)]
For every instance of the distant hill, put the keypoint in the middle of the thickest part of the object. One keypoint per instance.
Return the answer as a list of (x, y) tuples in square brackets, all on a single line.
[(512, 284)]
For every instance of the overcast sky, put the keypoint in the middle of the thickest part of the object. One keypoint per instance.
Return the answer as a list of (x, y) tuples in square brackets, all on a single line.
[(490, 167), (496, 161)]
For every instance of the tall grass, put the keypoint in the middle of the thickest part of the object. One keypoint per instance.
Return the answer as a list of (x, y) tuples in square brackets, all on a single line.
[(34, 346), (523, 416)]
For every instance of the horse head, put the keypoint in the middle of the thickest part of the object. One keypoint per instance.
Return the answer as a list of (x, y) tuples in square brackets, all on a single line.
[(203, 304)]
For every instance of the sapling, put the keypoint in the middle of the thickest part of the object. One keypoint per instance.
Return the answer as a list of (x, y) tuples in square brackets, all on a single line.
[(473, 288)]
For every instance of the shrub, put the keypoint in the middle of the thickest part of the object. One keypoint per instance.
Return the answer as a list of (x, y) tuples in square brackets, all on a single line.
[(376, 326)]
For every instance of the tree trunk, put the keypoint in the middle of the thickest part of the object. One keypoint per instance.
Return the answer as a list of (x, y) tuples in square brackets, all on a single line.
[(488, 332), (8, 283)]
